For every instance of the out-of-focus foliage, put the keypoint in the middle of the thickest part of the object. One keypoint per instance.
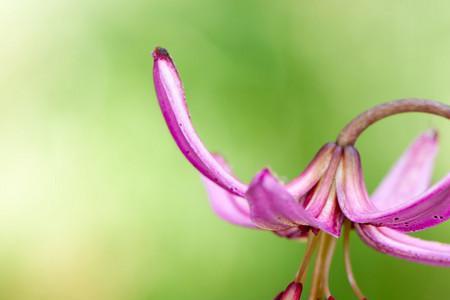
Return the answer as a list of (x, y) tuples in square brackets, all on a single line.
[(96, 202)]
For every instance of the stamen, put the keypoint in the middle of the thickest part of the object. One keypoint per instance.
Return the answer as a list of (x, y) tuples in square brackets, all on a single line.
[(317, 291), (327, 265), (348, 264), (292, 292), (311, 246)]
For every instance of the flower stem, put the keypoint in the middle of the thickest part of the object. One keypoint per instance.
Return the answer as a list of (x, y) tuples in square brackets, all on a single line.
[(352, 130)]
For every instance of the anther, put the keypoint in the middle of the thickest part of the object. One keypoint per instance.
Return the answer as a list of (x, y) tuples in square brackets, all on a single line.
[(292, 292), (160, 52)]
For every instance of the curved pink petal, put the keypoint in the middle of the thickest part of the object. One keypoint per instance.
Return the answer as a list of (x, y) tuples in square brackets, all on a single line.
[(272, 207), (420, 212), (330, 216), (313, 172), (235, 209), (170, 93), (231, 208), (411, 175), (401, 245), (321, 201)]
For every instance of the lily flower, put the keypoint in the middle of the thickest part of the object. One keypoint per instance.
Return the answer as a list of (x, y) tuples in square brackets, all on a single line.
[(273, 205), (330, 192)]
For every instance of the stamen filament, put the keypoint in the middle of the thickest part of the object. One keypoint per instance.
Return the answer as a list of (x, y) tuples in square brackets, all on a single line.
[(317, 286), (348, 264), (352, 130), (311, 246), (317, 268), (326, 272)]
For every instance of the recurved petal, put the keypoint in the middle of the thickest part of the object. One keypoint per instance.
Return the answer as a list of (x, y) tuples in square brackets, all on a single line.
[(313, 172), (272, 207), (417, 213), (401, 245), (411, 175), (170, 94), (321, 201), (330, 218), (229, 207), (426, 210)]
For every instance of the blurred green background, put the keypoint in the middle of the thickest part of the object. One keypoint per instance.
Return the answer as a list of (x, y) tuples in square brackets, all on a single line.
[(96, 202)]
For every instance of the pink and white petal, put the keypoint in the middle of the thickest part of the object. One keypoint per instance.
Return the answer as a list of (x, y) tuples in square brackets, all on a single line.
[(321, 201), (418, 213), (330, 217), (235, 209), (411, 175), (272, 207), (313, 172), (170, 94), (427, 210), (350, 187), (394, 243), (317, 197), (229, 207)]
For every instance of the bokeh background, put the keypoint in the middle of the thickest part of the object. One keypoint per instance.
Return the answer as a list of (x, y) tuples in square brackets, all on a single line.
[(96, 202)]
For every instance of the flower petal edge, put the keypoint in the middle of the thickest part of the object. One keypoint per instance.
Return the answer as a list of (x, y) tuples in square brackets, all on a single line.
[(426, 210), (171, 98), (401, 245)]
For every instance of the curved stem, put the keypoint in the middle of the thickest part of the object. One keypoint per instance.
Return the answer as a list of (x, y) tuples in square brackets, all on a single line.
[(352, 130)]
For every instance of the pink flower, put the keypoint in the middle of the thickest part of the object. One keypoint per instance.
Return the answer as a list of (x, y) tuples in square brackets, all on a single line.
[(329, 192)]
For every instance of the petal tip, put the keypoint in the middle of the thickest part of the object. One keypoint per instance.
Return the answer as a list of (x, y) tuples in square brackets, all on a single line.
[(262, 175), (160, 53), (433, 134)]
